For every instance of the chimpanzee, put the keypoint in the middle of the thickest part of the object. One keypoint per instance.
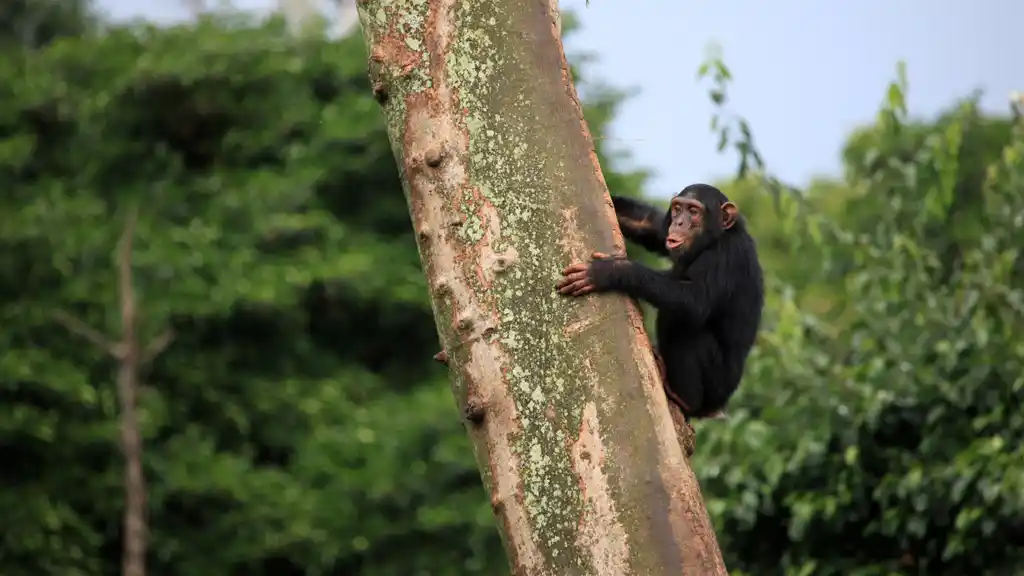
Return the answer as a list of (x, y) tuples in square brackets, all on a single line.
[(709, 303)]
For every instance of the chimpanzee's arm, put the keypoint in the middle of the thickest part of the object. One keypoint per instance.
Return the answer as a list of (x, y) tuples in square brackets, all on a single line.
[(641, 223), (686, 300)]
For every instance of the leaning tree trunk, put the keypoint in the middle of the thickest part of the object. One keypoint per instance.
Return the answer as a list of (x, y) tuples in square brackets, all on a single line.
[(561, 397)]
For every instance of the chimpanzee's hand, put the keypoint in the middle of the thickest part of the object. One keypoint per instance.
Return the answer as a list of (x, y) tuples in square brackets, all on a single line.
[(581, 279)]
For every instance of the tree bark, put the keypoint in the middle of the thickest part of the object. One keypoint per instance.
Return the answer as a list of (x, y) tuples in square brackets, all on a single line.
[(135, 530), (561, 397)]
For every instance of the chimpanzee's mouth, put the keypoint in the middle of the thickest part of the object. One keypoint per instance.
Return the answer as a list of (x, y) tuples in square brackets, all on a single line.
[(673, 243)]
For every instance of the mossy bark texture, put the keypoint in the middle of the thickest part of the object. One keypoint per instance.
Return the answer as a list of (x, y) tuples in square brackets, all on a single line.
[(561, 397)]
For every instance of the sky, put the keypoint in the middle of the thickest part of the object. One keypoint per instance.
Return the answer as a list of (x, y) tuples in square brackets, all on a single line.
[(806, 72)]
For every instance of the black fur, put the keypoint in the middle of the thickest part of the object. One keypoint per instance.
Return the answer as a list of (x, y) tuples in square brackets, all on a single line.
[(709, 303)]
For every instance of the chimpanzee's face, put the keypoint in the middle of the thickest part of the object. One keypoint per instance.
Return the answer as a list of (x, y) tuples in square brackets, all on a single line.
[(687, 217)]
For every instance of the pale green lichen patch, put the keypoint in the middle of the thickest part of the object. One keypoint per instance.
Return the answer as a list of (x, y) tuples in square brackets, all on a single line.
[(509, 167), (472, 229)]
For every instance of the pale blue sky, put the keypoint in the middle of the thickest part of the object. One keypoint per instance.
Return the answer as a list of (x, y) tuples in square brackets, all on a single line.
[(806, 71)]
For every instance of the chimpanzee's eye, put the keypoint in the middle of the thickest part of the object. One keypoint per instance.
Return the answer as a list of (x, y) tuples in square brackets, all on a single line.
[(694, 211)]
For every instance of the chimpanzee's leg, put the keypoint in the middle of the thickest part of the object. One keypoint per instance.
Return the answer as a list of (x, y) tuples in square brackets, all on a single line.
[(697, 374), (663, 372), (690, 367)]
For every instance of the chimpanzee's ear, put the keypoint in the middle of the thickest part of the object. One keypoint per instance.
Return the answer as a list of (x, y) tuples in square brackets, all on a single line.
[(729, 215)]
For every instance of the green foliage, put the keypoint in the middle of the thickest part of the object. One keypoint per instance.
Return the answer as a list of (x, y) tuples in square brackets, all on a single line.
[(297, 424), (886, 438)]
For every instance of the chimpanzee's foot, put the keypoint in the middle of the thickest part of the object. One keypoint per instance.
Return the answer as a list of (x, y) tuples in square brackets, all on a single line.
[(442, 357), (669, 394), (673, 398), (660, 362)]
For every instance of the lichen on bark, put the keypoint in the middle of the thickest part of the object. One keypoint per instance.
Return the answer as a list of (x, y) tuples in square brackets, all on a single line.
[(561, 397)]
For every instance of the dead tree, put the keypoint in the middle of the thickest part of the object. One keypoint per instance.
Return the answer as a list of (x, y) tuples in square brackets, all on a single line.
[(131, 358)]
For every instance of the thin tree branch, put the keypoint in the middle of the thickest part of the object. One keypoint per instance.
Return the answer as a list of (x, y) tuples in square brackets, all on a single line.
[(80, 328), (157, 346), (124, 277), (133, 561)]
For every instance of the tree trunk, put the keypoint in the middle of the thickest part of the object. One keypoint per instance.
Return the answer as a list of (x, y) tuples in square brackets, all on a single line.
[(561, 397)]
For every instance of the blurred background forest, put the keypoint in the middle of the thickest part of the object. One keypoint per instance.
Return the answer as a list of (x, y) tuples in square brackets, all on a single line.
[(297, 425)]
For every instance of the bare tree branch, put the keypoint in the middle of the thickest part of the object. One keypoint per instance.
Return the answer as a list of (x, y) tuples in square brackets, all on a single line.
[(79, 328), (134, 554), (131, 359), (157, 346)]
